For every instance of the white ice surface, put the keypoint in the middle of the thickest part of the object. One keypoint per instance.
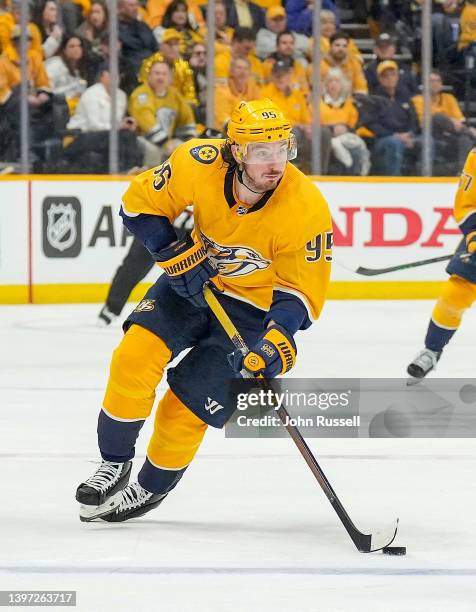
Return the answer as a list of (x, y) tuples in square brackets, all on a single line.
[(248, 528)]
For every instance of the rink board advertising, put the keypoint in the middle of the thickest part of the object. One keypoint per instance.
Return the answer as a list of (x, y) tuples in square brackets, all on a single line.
[(61, 238)]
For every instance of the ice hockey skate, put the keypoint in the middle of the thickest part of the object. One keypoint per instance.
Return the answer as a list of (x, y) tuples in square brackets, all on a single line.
[(105, 317), (423, 363), (107, 480), (131, 502)]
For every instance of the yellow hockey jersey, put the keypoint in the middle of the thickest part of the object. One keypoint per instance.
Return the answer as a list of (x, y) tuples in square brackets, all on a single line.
[(160, 118), (465, 200), (282, 243)]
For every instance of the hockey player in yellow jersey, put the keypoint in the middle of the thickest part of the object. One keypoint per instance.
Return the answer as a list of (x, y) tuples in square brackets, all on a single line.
[(263, 235), (459, 291)]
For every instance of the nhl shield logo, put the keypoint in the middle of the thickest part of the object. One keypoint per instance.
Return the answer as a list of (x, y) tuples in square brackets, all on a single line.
[(61, 227)]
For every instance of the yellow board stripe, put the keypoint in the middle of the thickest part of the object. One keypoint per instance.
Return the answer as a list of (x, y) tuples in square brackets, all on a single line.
[(384, 290), (13, 294), (339, 290)]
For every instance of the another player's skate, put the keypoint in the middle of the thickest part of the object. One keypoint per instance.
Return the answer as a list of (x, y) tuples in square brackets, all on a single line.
[(92, 494), (105, 317), (131, 502), (423, 363)]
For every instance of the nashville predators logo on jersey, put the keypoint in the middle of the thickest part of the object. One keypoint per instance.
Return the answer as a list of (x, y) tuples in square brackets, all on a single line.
[(206, 154), (234, 260)]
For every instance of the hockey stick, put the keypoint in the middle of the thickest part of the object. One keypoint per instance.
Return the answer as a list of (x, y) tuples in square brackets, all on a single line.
[(364, 542), (412, 264)]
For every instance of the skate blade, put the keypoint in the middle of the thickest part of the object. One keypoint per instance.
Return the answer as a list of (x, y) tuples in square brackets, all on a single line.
[(412, 381), (91, 513)]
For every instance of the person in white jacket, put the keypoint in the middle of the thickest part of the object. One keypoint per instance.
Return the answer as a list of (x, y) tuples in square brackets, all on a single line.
[(66, 71), (93, 115)]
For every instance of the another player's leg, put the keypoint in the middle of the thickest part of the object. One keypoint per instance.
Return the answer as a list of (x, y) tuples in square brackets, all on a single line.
[(177, 436), (457, 296), (136, 369), (136, 265)]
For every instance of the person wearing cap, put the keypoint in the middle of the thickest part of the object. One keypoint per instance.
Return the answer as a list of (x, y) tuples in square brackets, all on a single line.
[(138, 40), (285, 50), (242, 45), (385, 48), (275, 23), (182, 74), (293, 103), (239, 86), (338, 57), (392, 119), (263, 243)]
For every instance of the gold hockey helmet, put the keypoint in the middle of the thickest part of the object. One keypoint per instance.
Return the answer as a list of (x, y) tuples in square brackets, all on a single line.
[(259, 121)]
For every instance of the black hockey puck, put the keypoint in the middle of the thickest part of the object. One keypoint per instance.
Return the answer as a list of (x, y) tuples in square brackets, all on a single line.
[(394, 550)]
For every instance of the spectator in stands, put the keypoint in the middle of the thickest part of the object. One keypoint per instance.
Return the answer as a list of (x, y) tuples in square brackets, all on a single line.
[(70, 13), (244, 14), (182, 74), (223, 32), (294, 106), (338, 57), (242, 45), (328, 29), (285, 47), (393, 121), (7, 26), (7, 23), (127, 77), (39, 92), (90, 149), (39, 85), (239, 87), (445, 29), (266, 38), (385, 48), (453, 139), (338, 112), (467, 37), (47, 19), (95, 26), (9, 119), (162, 114), (198, 64), (300, 14), (176, 17), (67, 71), (138, 41), (156, 10)]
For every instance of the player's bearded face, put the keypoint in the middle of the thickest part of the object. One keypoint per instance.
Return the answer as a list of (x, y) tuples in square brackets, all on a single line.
[(264, 164), (263, 177)]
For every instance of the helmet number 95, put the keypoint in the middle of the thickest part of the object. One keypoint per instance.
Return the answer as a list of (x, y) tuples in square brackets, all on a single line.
[(268, 115)]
